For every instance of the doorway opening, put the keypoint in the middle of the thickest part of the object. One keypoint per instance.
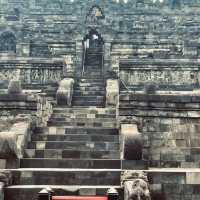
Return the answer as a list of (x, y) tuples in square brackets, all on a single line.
[(93, 53)]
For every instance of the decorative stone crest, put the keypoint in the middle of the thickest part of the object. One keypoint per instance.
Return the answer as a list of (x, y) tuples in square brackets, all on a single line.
[(95, 15), (136, 186)]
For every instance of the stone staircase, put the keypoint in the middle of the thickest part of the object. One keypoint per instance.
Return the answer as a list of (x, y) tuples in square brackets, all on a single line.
[(89, 91), (77, 153)]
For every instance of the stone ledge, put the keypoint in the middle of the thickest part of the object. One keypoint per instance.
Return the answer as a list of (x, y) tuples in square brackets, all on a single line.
[(131, 63), (169, 98)]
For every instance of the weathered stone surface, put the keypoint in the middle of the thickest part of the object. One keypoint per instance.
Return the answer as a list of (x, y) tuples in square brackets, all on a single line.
[(65, 92), (131, 142), (112, 92), (14, 87), (43, 42)]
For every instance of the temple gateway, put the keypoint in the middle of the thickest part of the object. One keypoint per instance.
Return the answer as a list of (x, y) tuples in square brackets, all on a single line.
[(99, 100)]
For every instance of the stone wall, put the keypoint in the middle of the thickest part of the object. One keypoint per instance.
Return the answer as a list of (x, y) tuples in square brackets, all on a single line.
[(137, 29), (34, 104), (169, 124), (174, 184)]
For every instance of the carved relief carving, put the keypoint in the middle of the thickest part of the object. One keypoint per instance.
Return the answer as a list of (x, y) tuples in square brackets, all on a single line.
[(32, 74), (136, 185)]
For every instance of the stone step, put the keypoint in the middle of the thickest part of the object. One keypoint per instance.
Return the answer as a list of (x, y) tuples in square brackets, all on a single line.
[(74, 145), (24, 192), (53, 176), (92, 74), (83, 122), (89, 88), (90, 80), (83, 102), (88, 110), (88, 98), (75, 137), (90, 84), (63, 153), (81, 115), (70, 163), (89, 93), (76, 130)]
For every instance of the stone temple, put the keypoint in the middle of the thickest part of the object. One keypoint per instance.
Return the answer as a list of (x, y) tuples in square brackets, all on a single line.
[(100, 98)]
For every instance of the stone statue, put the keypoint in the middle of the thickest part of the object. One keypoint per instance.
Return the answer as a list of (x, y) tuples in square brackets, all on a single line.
[(136, 186)]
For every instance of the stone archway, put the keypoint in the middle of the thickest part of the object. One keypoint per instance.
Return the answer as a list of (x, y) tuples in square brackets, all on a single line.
[(93, 52)]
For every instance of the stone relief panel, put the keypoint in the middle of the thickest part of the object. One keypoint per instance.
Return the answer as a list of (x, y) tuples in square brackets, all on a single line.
[(162, 77), (7, 74), (33, 74)]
